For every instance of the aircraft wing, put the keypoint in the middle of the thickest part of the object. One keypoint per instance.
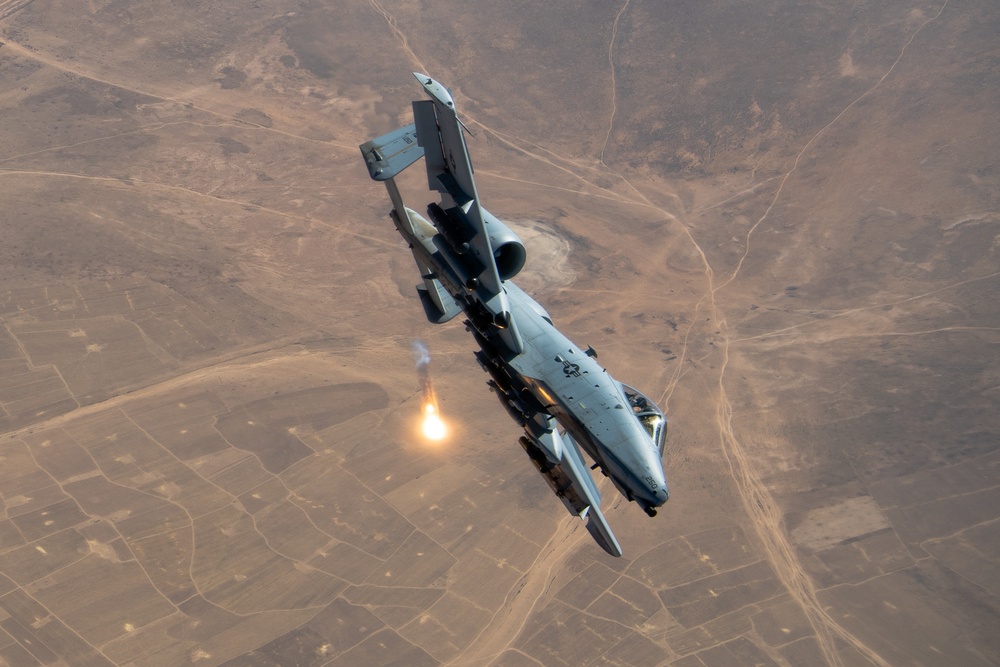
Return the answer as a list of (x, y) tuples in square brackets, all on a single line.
[(559, 460), (449, 171)]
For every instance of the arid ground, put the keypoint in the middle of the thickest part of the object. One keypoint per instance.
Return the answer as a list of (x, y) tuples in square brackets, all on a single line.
[(780, 219)]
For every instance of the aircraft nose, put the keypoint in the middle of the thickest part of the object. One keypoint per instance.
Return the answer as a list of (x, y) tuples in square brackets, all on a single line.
[(658, 487), (655, 496)]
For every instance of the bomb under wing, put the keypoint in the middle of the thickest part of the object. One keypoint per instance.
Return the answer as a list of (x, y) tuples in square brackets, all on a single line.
[(564, 400)]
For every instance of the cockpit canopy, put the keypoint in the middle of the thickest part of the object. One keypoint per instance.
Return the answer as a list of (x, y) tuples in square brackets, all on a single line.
[(650, 416)]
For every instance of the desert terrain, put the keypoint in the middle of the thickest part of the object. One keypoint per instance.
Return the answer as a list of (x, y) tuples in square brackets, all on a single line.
[(779, 219)]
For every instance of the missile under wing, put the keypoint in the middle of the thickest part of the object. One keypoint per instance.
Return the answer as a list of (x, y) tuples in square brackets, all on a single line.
[(564, 400)]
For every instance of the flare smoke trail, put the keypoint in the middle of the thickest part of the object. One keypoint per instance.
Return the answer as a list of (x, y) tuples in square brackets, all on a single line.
[(432, 427), (422, 357)]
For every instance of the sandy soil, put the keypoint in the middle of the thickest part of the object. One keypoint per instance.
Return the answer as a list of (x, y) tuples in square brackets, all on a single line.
[(779, 220)]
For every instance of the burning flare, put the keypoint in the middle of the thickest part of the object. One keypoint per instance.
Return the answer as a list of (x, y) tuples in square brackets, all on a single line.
[(432, 426)]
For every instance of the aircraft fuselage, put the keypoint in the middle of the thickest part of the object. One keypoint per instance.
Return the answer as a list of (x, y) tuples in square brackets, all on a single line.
[(562, 398), (562, 380)]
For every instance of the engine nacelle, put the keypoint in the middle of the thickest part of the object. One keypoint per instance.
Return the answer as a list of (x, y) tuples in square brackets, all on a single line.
[(508, 249)]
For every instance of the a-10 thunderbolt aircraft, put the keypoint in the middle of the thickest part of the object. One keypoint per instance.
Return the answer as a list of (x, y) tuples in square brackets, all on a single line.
[(467, 259)]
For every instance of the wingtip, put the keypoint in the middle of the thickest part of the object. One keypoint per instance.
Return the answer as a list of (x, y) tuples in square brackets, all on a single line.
[(599, 529), (612, 548)]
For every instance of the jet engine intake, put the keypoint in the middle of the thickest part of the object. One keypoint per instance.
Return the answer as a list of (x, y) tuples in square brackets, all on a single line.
[(508, 249)]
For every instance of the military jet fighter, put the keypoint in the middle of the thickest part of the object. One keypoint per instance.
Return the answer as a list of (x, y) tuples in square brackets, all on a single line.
[(556, 391)]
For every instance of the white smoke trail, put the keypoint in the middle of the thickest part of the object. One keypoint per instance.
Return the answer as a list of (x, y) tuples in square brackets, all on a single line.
[(421, 355)]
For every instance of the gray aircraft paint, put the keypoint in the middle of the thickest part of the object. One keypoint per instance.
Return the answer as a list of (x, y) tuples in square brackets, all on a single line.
[(466, 258)]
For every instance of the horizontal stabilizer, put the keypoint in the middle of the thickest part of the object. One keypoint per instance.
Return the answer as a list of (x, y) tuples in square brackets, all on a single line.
[(391, 153)]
